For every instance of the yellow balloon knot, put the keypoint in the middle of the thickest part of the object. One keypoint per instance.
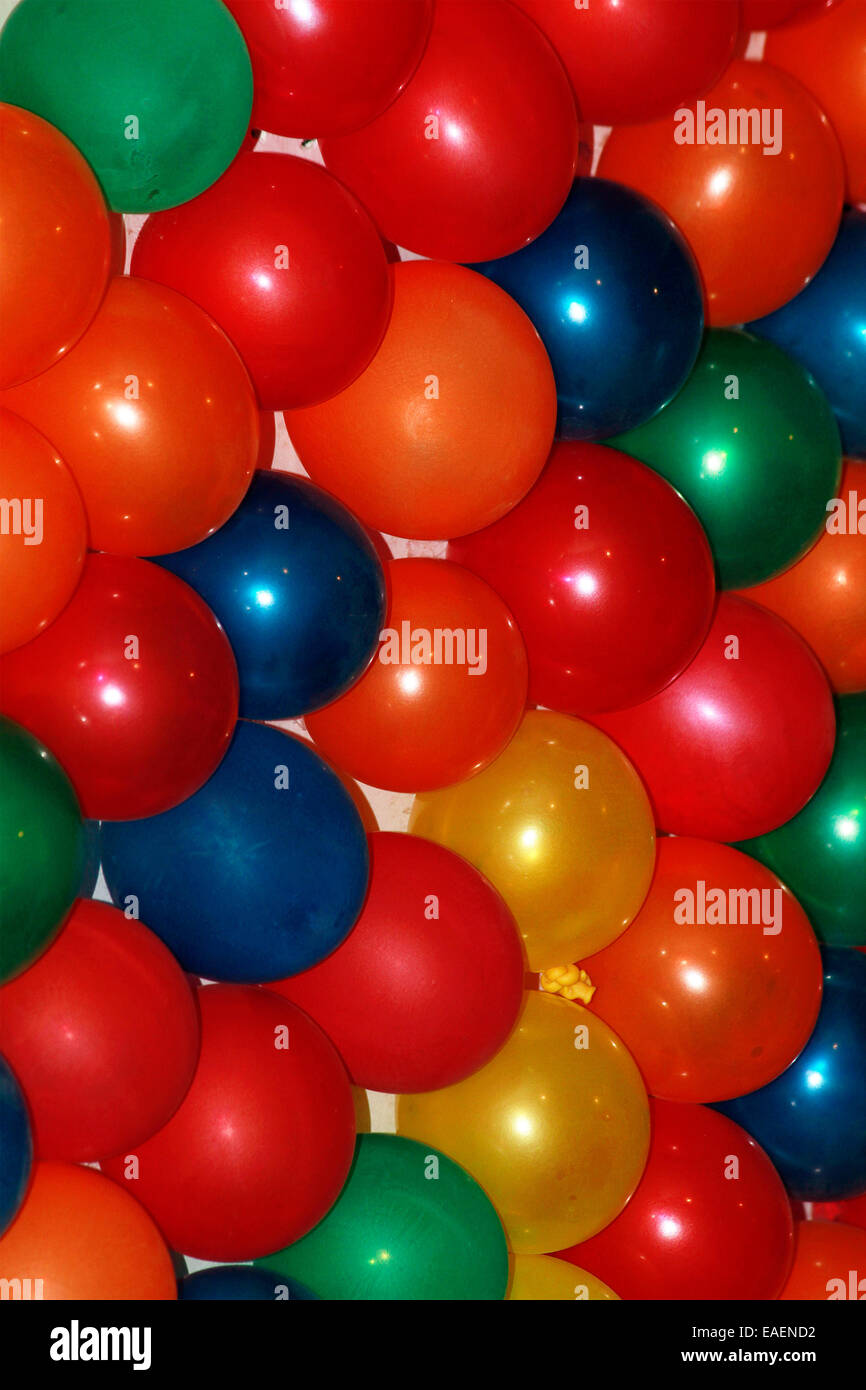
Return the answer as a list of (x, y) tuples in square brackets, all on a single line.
[(569, 981)]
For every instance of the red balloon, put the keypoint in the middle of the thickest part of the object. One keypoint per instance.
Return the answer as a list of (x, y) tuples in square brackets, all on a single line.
[(326, 67), (259, 1149), (288, 263), (476, 157), (738, 743), (428, 984), (709, 1219), (852, 1212), (445, 692), (608, 574), (134, 688), (715, 986), (635, 60), (769, 14), (102, 1032), (829, 1263)]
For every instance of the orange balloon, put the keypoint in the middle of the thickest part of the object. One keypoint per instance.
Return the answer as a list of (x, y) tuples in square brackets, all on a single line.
[(56, 245), (78, 1235), (760, 224), (715, 986), (428, 441), (829, 1263), (827, 52), (155, 417), (823, 596), (43, 532), (445, 691)]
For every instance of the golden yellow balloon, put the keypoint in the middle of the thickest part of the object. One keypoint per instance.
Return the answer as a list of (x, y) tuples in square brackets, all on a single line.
[(561, 825), (535, 1277), (555, 1128)]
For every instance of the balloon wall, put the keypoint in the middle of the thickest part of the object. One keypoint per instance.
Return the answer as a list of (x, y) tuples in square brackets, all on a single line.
[(433, 650)]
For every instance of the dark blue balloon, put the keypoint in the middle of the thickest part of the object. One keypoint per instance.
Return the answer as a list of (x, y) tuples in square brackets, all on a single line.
[(259, 875), (824, 328), (16, 1146), (90, 872), (295, 581), (812, 1119), (242, 1283), (623, 332)]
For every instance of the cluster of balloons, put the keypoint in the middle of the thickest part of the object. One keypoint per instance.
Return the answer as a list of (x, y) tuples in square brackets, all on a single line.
[(578, 564)]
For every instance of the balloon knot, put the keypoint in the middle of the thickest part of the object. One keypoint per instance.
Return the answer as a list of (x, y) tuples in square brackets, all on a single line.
[(569, 981)]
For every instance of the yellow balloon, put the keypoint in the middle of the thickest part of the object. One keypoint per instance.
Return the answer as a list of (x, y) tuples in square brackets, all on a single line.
[(561, 825), (545, 1277), (555, 1128)]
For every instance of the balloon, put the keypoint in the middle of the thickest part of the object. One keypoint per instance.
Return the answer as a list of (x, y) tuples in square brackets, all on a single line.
[(155, 416), (240, 1283), (738, 743), (288, 263), (445, 692), (90, 872), (41, 847), (409, 1225), (476, 156), (823, 596), (400, 998), (608, 575), (425, 442), (752, 445), (768, 14), (614, 292), (827, 53), (823, 329), (820, 852), (636, 60), (327, 67), (555, 1127), (709, 1220), (259, 875), (263, 1138), (851, 1213), (137, 94), (759, 207), (54, 217), (716, 985), (297, 584), (109, 1066), (78, 1236), (829, 1259), (541, 1277), (134, 686), (16, 1146), (561, 825), (812, 1118), (44, 538)]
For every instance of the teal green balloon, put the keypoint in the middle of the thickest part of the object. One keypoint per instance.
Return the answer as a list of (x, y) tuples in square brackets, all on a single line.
[(751, 443), (821, 853), (408, 1224), (156, 94), (41, 847)]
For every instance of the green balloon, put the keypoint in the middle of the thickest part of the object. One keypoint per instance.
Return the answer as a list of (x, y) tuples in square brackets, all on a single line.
[(752, 445), (41, 847), (821, 853), (156, 94), (408, 1224)]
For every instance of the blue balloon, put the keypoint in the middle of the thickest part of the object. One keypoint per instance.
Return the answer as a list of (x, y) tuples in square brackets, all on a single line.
[(615, 295), (812, 1119), (16, 1146), (824, 328), (259, 875), (235, 1283), (90, 872), (296, 582)]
